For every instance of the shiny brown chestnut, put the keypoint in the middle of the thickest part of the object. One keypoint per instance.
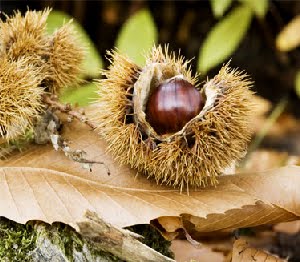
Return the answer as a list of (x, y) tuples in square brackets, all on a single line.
[(172, 105)]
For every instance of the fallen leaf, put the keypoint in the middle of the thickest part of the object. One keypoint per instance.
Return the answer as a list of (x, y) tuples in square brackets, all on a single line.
[(185, 251), (171, 224), (286, 123), (262, 160), (242, 252), (284, 135), (292, 227), (262, 108), (42, 184)]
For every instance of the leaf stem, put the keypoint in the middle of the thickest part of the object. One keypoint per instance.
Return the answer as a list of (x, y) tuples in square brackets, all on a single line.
[(53, 102)]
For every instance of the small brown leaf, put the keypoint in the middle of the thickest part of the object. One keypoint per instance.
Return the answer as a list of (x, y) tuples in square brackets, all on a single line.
[(289, 37), (185, 251), (262, 160), (242, 252), (292, 227)]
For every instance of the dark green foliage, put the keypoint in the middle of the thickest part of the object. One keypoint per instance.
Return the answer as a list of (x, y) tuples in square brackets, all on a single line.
[(153, 239)]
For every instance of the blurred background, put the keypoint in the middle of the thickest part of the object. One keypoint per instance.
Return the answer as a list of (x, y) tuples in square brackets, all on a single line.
[(259, 36)]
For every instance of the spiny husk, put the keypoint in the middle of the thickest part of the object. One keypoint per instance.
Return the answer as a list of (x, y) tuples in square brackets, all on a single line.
[(195, 155), (20, 94), (59, 56), (66, 57), (24, 36)]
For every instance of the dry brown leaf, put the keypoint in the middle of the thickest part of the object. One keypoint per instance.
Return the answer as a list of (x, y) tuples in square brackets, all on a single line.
[(262, 107), (241, 252), (45, 185), (289, 37), (285, 124), (185, 251), (292, 227), (262, 160), (284, 135)]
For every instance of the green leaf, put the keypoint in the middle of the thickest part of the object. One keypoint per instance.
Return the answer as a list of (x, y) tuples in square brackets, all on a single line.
[(259, 7), (92, 63), (224, 38), (137, 36), (219, 7), (82, 96), (297, 83)]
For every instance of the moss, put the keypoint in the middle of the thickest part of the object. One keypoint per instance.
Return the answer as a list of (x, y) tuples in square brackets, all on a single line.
[(17, 144), (17, 241), (22, 142), (99, 253), (66, 238), (72, 245), (153, 239), (73, 241), (30, 242), (27, 243)]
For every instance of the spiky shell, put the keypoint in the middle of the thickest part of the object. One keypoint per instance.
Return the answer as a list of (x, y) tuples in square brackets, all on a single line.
[(66, 57), (205, 146), (59, 56), (24, 36), (20, 94)]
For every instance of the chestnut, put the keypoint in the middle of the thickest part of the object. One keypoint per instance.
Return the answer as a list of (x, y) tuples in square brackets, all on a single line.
[(172, 104)]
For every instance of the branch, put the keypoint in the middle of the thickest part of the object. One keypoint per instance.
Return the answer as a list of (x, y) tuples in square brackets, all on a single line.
[(52, 101), (75, 155), (119, 242)]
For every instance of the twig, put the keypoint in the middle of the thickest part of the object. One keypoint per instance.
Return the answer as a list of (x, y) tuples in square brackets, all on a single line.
[(52, 101), (189, 238), (75, 155), (60, 144), (119, 242)]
